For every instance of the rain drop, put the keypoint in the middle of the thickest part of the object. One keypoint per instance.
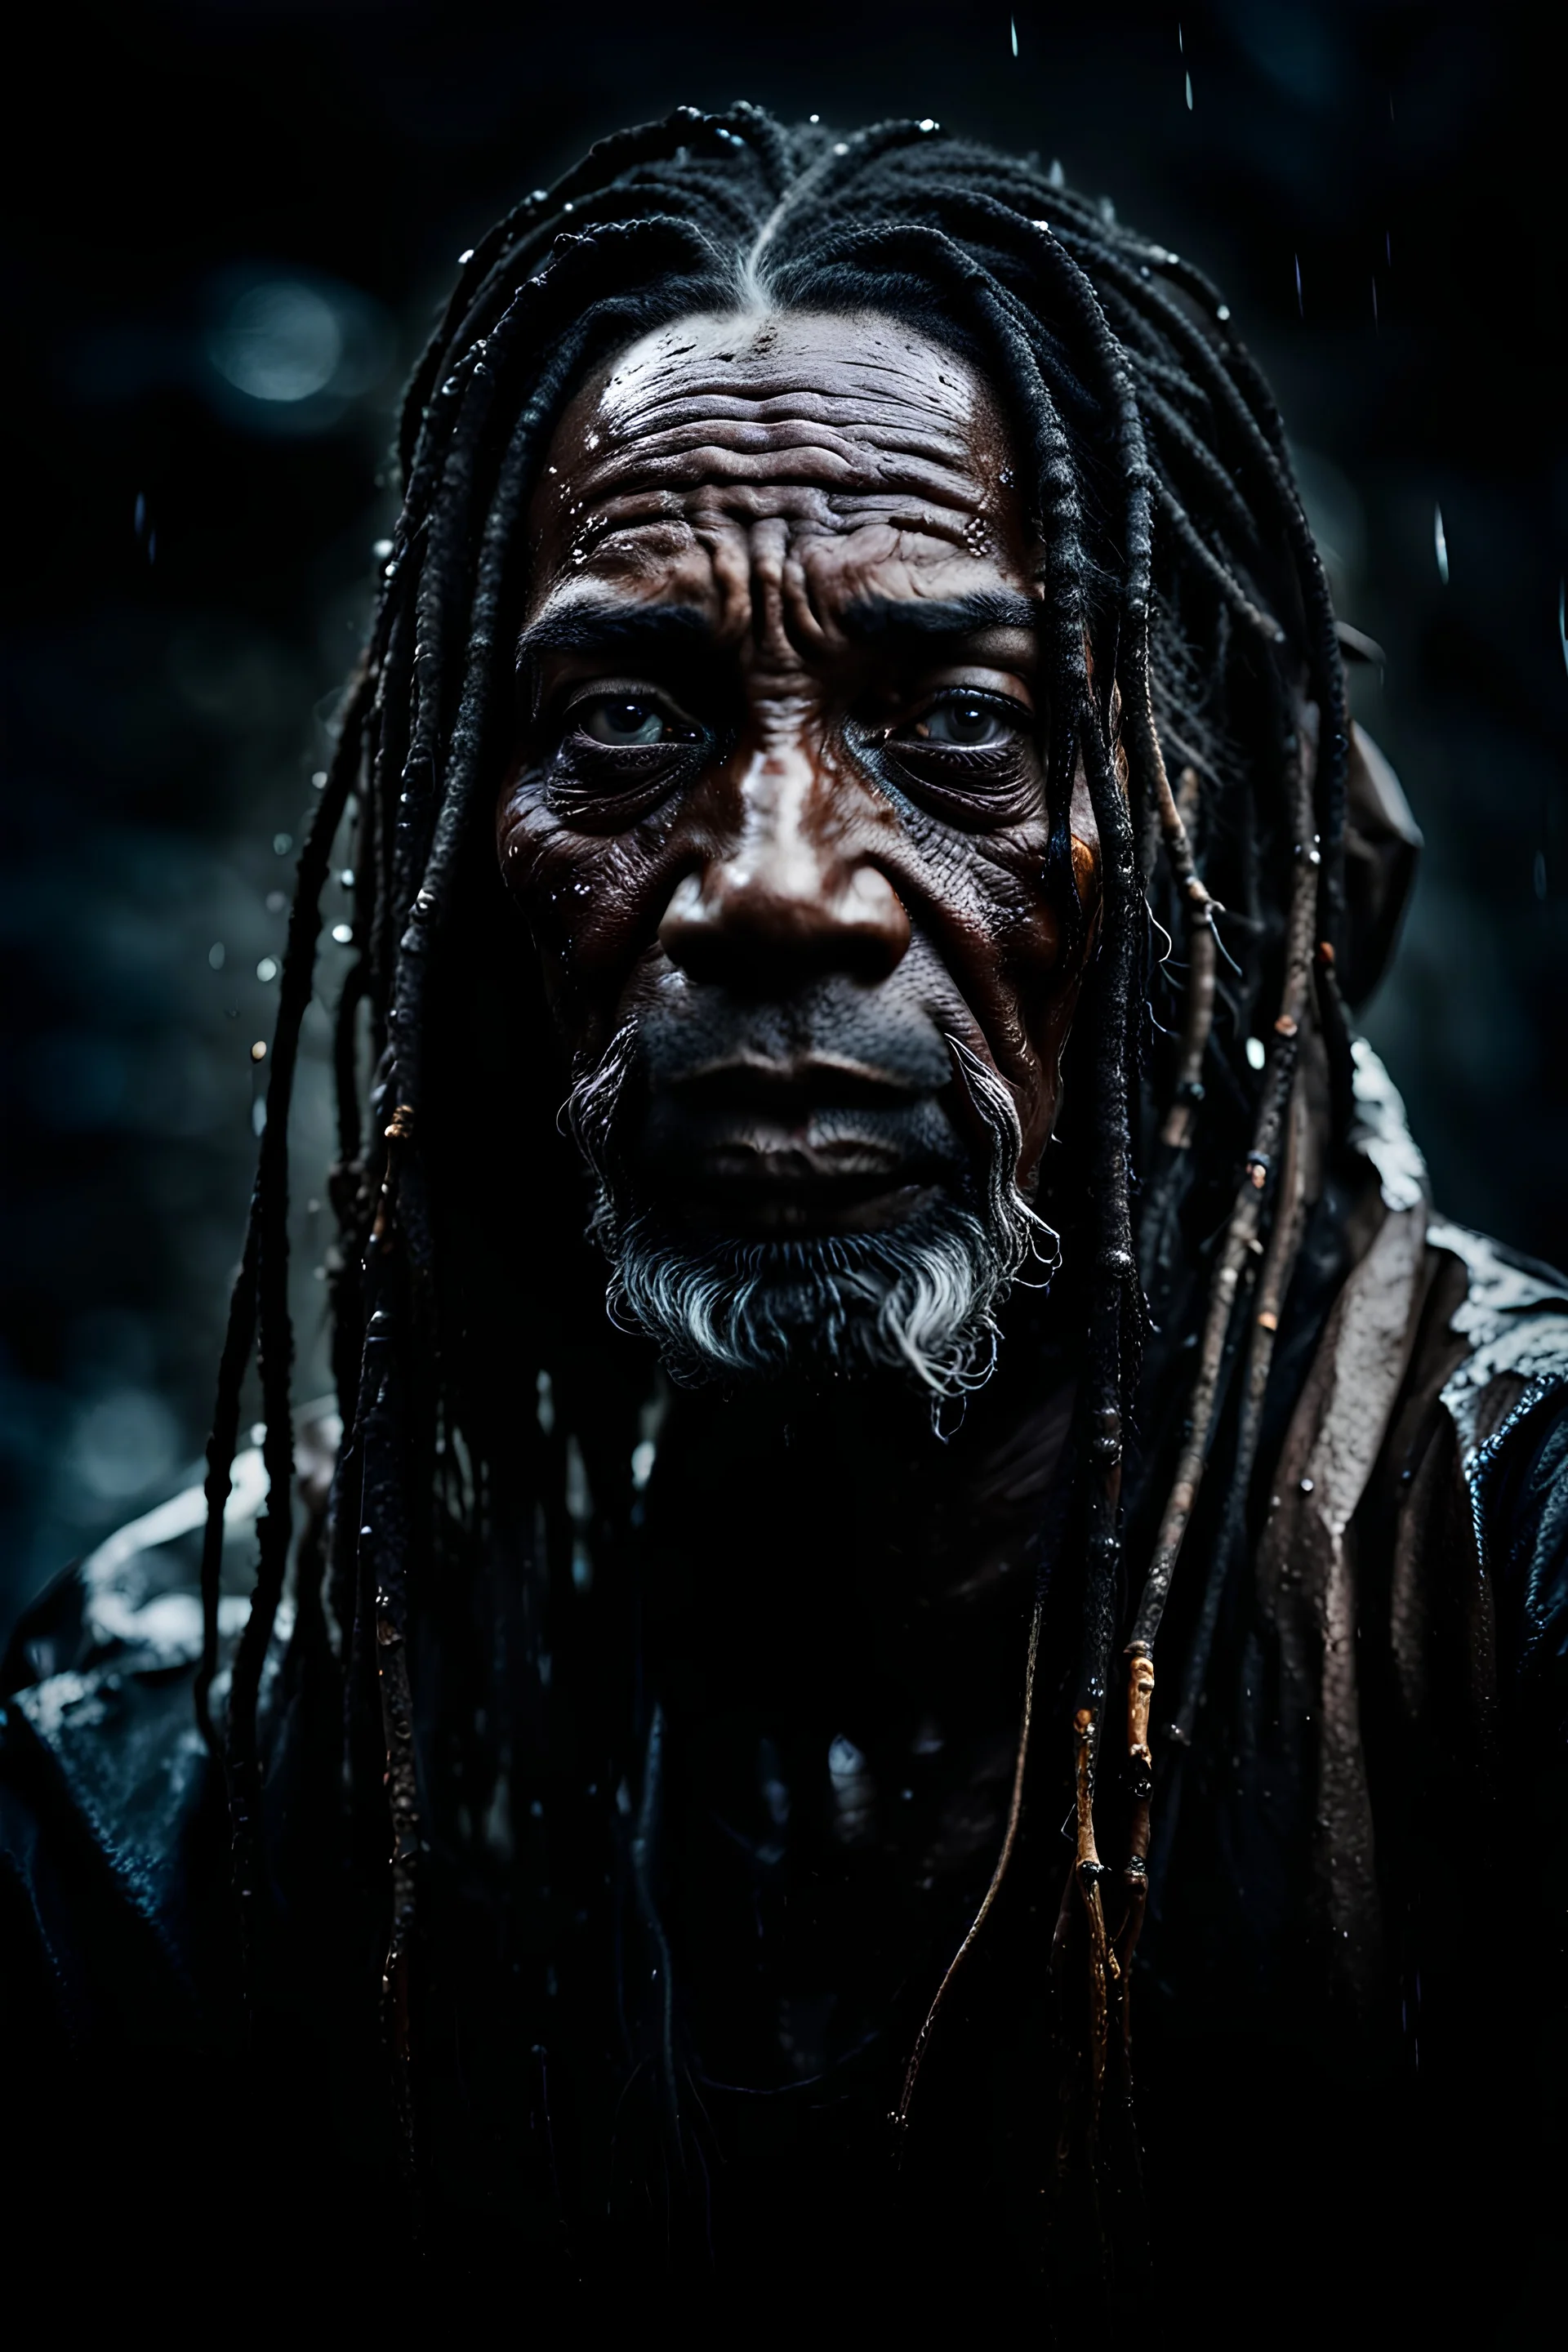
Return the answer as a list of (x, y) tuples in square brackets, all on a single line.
[(1301, 304), (215, 955), (267, 969), (1256, 1053), (1013, 30), (282, 842), (465, 258), (344, 934), (1538, 874), (1189, 93), (1441, 544), (319, 781), (258, 1051)]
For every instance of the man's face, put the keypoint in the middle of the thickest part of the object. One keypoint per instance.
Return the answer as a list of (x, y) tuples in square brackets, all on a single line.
[(778, 824)]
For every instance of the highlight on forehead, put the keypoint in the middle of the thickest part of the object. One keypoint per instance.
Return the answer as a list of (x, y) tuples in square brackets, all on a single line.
[(835, 419), (808, 364)]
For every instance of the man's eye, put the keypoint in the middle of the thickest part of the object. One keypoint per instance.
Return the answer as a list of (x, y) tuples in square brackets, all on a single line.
[(965, 721), (626, 720)]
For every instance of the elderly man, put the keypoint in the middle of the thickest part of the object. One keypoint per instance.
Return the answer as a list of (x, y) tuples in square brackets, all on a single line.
[(1045, 1570)]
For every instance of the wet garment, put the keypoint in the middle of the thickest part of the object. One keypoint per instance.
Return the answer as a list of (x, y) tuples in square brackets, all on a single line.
[(1346, 2000)]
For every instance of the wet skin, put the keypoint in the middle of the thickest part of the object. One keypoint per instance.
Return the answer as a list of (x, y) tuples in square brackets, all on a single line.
[(779, 791)]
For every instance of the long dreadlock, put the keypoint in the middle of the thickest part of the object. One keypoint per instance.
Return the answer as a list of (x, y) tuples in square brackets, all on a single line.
[(1185, 613)]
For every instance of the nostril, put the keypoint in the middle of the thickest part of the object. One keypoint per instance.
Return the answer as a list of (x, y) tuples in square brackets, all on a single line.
[(739, 926)]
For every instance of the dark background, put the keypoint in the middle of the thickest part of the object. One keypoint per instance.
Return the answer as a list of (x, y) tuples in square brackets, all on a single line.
[(230, 226)]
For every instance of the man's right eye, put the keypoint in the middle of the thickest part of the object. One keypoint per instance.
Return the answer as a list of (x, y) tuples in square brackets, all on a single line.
[(627, 721)]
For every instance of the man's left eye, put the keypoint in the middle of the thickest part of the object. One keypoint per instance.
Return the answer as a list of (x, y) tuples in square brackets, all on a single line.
[(970, 722)]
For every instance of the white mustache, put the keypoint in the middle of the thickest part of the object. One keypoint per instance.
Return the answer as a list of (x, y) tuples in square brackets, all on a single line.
[(921, 1299)]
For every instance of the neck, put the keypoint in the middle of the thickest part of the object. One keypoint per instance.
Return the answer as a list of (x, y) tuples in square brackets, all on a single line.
[(837, 1601)]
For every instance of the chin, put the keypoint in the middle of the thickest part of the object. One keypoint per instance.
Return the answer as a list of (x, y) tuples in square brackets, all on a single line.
[(915, 1295)]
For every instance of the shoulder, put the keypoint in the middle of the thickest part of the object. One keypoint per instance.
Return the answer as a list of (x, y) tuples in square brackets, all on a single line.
[(112, 1831), (1507, 1399)]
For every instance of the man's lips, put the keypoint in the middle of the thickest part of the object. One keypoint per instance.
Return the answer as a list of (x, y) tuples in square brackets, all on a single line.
[(817, 1146)]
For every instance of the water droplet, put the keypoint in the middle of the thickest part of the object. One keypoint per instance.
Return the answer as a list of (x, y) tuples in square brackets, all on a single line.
[(1300, 303), (267, 969), (141, 513), (1223, 314), (1189, 93), (276, 902), (1306, 1486), (319, 781), (215, 955), (1441, 544), (1256, 1053), (347, 877), (465, 256), (1013, 30), (382, 550), (344, 934), (282, 842), (258, 1051)]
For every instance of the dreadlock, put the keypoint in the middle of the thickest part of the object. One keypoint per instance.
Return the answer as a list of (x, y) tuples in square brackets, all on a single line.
[(1186, 621)]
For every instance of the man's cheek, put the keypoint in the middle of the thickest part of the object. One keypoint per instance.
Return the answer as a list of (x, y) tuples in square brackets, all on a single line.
[(591, 903)]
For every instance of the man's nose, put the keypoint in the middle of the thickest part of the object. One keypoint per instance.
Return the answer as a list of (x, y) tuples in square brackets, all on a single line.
[(792, 896)]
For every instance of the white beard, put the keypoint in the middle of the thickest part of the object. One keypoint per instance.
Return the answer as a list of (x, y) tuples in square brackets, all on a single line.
[(922, 1298)]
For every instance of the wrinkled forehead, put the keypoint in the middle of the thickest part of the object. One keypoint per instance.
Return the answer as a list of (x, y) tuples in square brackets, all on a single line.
[(826, 421), (857, 368)]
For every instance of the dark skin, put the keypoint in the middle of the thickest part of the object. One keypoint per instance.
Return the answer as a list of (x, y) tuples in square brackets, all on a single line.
[(781, 794), (780, 802)]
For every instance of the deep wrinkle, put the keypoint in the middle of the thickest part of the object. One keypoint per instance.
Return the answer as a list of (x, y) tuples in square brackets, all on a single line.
[(795, 548)]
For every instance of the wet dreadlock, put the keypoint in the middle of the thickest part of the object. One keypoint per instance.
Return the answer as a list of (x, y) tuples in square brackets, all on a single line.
[(1186, 623)]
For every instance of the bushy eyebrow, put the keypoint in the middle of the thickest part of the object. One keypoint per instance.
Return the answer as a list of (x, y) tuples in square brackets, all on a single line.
[(890, 622), (914, 620), (589, 628)]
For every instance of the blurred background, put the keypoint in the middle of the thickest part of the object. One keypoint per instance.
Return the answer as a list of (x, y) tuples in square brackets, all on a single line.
[(229, 228)]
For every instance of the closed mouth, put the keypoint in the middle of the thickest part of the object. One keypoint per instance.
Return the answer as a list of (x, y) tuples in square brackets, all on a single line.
[(787, 1204), (771, 1149)]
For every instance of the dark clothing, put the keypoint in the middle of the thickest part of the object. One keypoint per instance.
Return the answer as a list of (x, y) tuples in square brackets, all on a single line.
[(1349, 2037)]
